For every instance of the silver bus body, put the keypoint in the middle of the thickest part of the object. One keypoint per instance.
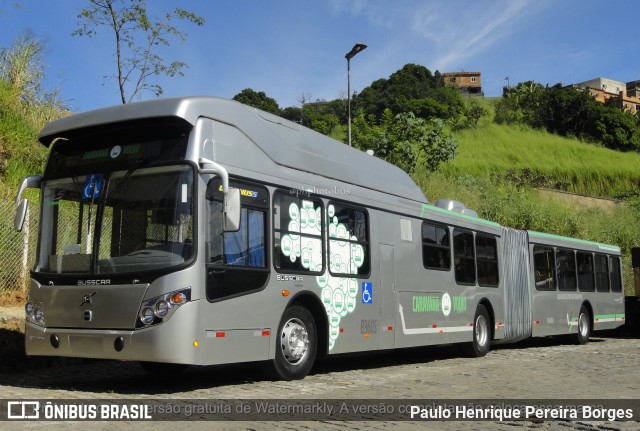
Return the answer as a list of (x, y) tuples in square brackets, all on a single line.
[(324, 228)]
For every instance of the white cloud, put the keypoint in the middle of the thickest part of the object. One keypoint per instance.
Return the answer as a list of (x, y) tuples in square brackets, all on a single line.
[(449, 34), (460, 32)]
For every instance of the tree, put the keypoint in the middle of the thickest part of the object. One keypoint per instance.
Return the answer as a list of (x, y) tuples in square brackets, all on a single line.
[(617, 129), (405, 140), (258, 99), (413, 88), (137, 39), (474, 112)]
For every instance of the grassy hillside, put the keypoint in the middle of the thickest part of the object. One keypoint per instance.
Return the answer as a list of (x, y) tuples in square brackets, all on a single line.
[(537, 158), (20, 152)]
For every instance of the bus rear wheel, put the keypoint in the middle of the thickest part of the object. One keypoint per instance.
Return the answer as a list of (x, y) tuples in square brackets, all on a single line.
[(481, 334), (584, 326), (296, 345)]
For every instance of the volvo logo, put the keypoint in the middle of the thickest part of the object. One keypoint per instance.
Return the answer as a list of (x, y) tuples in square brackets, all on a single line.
[(88, 299)]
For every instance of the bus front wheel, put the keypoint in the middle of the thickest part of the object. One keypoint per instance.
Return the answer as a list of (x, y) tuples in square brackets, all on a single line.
[(296, 345)]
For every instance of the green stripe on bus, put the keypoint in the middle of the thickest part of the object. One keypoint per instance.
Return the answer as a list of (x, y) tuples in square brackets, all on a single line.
[(608, 316), (581, 241)]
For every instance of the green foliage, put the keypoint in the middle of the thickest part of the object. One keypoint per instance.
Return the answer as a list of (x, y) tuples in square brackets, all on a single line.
[(322, 116), (403, 140), (476, 112), (411, 89), (540, 159), (568, 111), (258, 99), (137, 39), (20, 153), (617, 129), (523, 207), (25, 107)]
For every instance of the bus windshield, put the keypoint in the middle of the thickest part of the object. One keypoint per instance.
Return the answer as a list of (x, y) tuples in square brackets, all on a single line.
[(124, 221)]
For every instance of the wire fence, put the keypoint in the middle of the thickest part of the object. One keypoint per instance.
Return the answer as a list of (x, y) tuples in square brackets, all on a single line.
[(18, 250)]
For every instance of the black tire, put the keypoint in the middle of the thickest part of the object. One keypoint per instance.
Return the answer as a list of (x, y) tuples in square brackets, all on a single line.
[(584, 326), (482, 334), (163, 369), (296, 345)]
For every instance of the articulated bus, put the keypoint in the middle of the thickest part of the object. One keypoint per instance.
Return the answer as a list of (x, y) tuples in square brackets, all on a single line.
[(200, 231)]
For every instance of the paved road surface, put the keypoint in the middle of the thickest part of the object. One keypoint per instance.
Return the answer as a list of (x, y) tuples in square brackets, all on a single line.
[(606, 368)]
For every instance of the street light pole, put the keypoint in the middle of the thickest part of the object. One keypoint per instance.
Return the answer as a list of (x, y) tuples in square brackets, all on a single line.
[(356, 49)]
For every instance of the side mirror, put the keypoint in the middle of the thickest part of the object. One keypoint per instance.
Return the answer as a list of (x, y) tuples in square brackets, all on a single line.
[(231, 202), (21, 214), (232, 210), (31, 182)]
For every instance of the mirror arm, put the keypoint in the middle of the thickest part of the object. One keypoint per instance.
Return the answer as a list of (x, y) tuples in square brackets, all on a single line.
[(30, 182), (210, 167)]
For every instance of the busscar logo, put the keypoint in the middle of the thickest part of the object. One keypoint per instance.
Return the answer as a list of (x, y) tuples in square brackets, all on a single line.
[(103, 282)]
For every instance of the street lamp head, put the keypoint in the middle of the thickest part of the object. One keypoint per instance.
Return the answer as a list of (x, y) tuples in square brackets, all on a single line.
[(356, 49)]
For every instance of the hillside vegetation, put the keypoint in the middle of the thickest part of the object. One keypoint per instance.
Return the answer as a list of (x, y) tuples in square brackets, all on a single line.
[(25, 107), (525, 156)]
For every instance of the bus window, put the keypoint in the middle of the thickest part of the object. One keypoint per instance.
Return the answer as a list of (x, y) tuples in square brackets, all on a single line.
[(237, 261), (245, 247), (544, 267), (464, 257), (348, 241), (616, 277), (586, 281), (602, 273), (147, 221), (297, 230), (487, 260), (566, 269), (436, 247)]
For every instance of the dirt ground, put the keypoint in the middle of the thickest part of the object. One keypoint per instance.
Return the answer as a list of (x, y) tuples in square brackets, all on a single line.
[(12, 339)]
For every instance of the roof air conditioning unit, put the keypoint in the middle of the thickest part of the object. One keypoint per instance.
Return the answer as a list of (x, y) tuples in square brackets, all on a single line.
[(456, 206)]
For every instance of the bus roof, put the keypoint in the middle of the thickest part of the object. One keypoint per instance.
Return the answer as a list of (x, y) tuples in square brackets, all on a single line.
[(285, 142)]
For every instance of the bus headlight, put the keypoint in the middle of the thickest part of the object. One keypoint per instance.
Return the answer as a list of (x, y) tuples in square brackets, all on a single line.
[(34, 312), (146, 316), (161, 308)]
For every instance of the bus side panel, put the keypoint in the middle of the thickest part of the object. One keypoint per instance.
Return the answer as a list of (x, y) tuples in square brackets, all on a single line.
[(608, 310)]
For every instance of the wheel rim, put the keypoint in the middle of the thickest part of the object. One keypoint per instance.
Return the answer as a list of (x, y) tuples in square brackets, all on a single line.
[(583, 325), (294, 341), (482, 332)]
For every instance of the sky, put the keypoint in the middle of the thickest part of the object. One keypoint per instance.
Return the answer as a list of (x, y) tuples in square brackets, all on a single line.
[(287, 48)]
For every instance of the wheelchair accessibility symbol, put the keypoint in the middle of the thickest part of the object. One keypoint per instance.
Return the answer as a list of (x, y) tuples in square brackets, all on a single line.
[(367, 292), (92, 187)]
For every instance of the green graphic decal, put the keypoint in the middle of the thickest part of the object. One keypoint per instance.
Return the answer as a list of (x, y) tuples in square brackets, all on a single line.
[(459, 303), (338, 294), (425, 304), (432, 303)]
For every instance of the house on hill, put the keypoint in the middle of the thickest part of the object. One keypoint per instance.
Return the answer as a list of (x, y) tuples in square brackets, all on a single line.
[(468, 83), (617, 93)]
